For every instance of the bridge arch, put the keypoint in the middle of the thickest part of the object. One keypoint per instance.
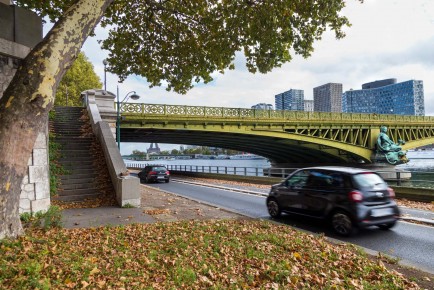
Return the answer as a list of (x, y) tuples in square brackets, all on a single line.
[(281, 136)]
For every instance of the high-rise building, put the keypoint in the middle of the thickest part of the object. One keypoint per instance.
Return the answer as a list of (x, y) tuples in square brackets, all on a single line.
[(308, 105), (292, 100), (328, 98), (386, 97), (263, 106)]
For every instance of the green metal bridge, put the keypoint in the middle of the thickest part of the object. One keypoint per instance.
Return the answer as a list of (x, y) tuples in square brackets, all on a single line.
[(281, 136)]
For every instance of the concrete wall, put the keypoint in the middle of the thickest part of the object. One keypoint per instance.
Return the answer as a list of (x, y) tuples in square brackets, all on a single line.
[(99, 104), (21, 30)]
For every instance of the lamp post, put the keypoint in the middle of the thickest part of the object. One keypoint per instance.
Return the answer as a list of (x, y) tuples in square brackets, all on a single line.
[(105, 74), (135, 97)]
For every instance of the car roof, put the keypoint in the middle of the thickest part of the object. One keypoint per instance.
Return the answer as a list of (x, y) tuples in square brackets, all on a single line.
[(350, 170)]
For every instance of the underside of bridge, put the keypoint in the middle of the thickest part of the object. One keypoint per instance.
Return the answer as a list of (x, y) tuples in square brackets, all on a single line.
[(277, 150), (284, 137)]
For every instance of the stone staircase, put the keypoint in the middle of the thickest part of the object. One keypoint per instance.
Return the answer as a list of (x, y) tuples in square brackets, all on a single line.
[(86, 175)]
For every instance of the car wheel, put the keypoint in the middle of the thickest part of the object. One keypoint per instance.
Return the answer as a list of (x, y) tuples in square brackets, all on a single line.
[(342, 223), (167, 180), (273, 208), (146, 179), (387, 226)]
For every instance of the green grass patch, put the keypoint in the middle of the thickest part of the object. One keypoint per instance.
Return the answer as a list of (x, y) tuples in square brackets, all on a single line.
[(232, 254)]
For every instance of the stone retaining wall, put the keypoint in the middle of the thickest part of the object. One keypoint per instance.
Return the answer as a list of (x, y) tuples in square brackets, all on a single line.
[(35, 188)]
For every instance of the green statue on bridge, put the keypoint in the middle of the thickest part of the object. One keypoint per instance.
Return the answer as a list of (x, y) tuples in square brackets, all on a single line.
[(391, 151)]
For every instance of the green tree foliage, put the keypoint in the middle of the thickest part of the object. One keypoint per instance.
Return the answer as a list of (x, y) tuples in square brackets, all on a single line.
[(139, 153), (80, 77), (182, 42), (175, 42)]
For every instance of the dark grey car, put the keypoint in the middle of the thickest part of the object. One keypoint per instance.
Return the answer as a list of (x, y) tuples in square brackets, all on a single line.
[(347, 197), (154, 173)]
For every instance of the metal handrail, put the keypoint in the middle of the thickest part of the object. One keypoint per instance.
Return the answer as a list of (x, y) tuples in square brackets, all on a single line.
[(400, 178)]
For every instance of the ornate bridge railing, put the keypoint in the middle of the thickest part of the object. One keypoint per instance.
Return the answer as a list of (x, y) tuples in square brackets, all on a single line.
[(242, 113)]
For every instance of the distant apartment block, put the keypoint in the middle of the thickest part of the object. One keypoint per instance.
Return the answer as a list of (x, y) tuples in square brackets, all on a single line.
[(308, 105), (328, 98), (263, 106), (386, 97), (292, 100)]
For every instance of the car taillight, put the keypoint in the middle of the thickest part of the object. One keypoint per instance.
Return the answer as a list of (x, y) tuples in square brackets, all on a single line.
[(167, 173), (355, 196), (152, 172), (391, 192)]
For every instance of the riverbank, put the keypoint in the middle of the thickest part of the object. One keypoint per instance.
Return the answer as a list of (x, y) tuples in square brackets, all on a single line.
[(189, 245)]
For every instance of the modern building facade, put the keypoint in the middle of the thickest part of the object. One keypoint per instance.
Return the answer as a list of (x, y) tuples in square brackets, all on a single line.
[(328, 98), (263, 106), (308, 105), (386, 97), (292, 100)]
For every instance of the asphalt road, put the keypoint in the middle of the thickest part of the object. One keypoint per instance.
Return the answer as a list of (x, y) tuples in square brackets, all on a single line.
[(411, 243)]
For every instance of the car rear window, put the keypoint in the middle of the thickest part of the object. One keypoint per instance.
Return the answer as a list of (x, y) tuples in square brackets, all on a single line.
[(369, 180), (159, 168)]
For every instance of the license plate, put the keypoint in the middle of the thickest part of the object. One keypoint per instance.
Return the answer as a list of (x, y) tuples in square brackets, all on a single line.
[(160, 177), (381, 212)]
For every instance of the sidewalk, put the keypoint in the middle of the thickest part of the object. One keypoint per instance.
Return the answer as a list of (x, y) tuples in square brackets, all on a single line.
[(160, 206), (157, 206)]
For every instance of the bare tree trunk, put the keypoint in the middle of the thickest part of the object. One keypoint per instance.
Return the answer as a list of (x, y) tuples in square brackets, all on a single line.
[(29, 97)]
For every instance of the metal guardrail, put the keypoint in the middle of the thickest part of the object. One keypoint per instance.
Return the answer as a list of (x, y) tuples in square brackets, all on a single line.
[(243, 113), (399, 178)]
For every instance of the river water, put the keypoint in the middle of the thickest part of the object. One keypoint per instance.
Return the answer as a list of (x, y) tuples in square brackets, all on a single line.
[(422, 169)]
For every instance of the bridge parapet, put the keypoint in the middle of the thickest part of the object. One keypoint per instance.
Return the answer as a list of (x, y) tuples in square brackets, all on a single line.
[(149, 110)]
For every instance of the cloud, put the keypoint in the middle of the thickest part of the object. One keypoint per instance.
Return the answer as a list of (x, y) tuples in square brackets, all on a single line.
[(387, 39)]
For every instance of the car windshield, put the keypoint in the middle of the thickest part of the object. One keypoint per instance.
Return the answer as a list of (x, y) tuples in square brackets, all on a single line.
[(369, 180)]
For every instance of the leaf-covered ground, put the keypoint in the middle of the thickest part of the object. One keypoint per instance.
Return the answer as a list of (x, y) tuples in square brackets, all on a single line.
[(217, 254)]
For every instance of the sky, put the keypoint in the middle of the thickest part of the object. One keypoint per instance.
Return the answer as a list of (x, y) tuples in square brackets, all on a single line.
[(387, 39)]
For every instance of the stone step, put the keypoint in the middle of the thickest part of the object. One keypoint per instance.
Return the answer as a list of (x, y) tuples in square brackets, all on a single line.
[(78, 171), (85, 180), (65, 143), (83, 191), (75, 158), (77, 177), (73, 168), (73, 186), (66, 110), (66, 127), (77, 198), (72, 146)]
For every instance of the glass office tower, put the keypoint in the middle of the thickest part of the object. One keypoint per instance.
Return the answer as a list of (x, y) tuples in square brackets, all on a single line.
[(292, 100), (406, 98)]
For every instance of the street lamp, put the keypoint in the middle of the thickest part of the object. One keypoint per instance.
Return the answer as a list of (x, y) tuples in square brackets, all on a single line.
[(133, 96), (105, 74)]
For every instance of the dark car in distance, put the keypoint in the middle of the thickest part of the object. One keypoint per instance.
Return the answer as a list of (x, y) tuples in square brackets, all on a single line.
[(349, 198), (154, 173)]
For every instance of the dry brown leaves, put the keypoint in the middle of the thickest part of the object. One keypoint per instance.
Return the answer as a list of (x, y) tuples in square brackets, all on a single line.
[(237, 254)]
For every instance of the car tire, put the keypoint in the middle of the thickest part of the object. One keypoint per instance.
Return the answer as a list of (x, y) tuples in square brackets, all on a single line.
[(146, 179), (388, 226), (167, 181), (342, 224), (273, 207)]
